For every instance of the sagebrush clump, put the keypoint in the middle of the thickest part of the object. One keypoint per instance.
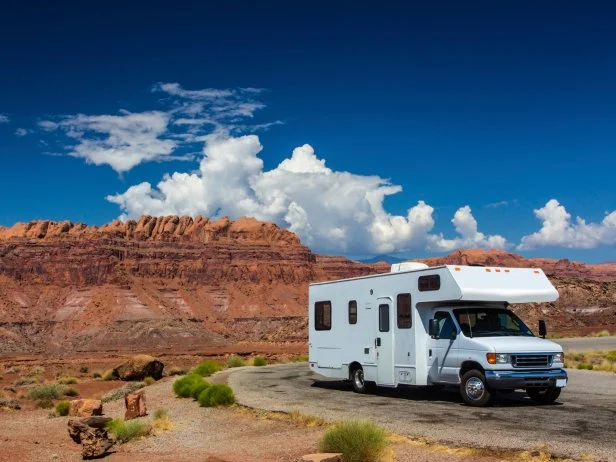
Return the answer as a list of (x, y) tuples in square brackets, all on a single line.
[(51, 391), (124, 431), (183, 387), (358, 441), (235, 361), (259, 361), (207, 368), (149, 380), (217, 395), (62, 408)]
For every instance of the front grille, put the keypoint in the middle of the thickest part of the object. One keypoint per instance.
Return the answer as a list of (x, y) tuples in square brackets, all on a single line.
[(531, 360)]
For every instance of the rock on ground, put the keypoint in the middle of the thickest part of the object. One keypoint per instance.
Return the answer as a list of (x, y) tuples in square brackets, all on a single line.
[(85, 408), (139, 367), (135, 405)]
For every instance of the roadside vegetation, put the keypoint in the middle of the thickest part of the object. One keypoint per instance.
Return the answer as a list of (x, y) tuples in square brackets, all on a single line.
[(51, 391), (161, 422), (259, 361), (62, 408), (591, 360), (207, 368), (235, 361), (358, 441), (208, 395), (123, 431)]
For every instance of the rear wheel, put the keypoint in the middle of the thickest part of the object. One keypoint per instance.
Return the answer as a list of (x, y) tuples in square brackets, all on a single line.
[(359, 384), (474, 389), (544, 395)]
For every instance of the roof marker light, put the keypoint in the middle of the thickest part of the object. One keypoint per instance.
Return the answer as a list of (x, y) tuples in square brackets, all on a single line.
[(506, 271), (488, 270), (498, 271), (536, 272), (456, 269)]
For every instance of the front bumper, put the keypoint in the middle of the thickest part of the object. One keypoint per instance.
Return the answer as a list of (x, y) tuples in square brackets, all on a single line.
[(525, 379)]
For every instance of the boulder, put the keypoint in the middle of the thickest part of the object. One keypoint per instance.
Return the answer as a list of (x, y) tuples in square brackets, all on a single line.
[(135, 405), (139, 367), (91, 434), (85, 407), (323, 457)]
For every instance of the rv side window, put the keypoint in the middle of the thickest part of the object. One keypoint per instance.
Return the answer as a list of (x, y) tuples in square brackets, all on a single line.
[(383, 318), (446, 325), (432, 282), (323, 315), (403, 303), (353, 312)]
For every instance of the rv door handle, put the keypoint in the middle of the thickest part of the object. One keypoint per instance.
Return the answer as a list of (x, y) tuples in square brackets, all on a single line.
[(377, 341)]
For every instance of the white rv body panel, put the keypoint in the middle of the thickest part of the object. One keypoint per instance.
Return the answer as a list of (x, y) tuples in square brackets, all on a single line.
[(410, 355)]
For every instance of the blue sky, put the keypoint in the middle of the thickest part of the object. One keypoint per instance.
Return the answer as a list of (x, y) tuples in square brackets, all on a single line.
[(498, 106)]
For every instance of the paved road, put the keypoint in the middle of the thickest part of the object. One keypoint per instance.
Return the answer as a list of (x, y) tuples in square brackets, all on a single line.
[(587, 343), (583, 421)]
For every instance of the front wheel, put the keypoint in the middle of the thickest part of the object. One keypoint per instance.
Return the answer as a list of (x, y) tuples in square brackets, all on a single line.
[(543, 395), (359, 384), (474, 389)]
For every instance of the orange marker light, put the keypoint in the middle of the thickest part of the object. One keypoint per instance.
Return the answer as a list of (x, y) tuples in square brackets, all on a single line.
[(536, 272), (457, 269), (491, 357), (506, 271), (488, 270), (498, 271)]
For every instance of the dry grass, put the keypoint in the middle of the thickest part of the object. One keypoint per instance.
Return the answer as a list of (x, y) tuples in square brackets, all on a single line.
[(161, 422), (591, 360), (294, 417)]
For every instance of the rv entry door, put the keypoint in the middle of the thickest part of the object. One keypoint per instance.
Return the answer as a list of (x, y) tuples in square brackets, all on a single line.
[(384, 343)]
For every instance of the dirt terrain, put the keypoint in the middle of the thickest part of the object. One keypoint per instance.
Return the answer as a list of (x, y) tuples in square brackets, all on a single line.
[(235, 434), (178, 284)]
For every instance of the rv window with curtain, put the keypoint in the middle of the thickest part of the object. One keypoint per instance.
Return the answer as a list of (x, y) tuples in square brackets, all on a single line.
[(323, 315), (383, 318), (403, 303), (432, 282), (353, 312)]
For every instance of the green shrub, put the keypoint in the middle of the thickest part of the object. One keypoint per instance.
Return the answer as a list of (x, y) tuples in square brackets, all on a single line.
[(97, 374), (69, 391), (25, 381), (44, 403), (235, 361), (62, 408), (603, 333), (175, 370), (611, 356), (216, 395), (198, 389), (183, 387), (586, 366), (84, 369), (108, 375), (160, 413), (207, 368), (67, 380), (50, 391), (37, 370), (123, 431), (358, 441), (301, 359), (149, 380), (259, 361)]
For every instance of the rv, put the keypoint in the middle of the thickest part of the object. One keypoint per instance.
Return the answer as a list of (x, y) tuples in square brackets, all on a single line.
[(435, 326)]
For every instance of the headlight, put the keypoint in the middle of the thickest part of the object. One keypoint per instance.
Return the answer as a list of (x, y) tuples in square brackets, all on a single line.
[(498, 358), (558, 358)]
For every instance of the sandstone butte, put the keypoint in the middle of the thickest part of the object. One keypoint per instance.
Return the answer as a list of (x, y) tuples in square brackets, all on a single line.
[(178, 283)]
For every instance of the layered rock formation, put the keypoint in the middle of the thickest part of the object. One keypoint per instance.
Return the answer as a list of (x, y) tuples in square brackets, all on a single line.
[(157, 283), (178, 283)]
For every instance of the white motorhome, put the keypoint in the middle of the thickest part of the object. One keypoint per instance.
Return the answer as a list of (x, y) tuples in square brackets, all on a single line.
[(446, 325)]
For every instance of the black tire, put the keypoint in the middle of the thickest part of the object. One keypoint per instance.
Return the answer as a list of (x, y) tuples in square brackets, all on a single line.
[(543, 395), (359, 384), (474, 389)]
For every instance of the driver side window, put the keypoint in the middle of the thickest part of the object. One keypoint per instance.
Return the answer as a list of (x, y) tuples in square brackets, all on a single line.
[(446, 327)]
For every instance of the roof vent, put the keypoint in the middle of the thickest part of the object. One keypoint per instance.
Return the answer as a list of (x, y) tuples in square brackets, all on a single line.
[(407, 266)]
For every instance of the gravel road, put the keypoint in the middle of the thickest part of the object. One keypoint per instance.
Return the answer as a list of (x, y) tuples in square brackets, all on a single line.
[(587, 343), (583, 421)]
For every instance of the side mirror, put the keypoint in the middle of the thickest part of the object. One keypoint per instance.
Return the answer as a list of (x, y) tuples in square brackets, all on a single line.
[(543, 330), (433, 328)]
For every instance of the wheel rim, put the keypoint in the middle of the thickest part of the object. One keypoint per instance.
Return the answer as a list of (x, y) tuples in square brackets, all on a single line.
[(359, 378), (475, 388)]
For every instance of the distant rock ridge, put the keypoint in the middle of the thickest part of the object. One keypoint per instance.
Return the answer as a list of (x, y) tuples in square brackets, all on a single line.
[(180, 283), (199, 229)]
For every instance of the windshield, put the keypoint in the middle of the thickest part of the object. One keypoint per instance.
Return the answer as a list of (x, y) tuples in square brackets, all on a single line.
[(490, 322)]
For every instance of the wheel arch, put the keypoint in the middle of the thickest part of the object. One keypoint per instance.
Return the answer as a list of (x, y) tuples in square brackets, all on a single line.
[(353, 367), (469, 366)]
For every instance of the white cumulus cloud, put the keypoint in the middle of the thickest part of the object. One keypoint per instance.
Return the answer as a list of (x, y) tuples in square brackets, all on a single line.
[(4, 119), (332, 211), (22, 132), (557, 230)]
